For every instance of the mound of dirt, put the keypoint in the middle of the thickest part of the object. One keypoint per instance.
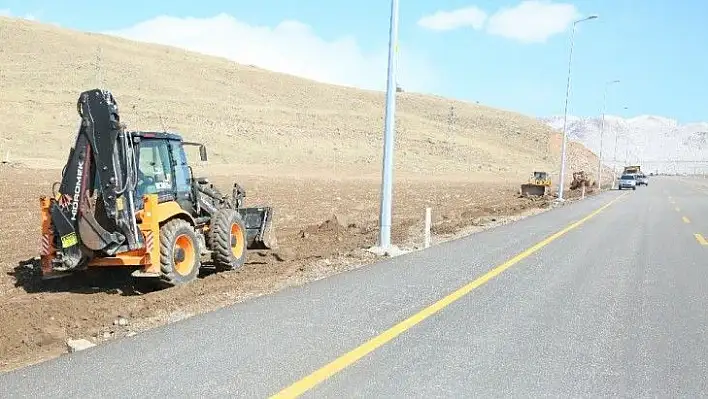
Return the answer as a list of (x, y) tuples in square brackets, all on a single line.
[(333, 227)]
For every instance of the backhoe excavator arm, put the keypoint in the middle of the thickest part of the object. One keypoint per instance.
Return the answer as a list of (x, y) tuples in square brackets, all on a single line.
[(102, 161)]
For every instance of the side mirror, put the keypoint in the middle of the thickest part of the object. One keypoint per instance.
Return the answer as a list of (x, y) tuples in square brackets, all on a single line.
[(203, 153)]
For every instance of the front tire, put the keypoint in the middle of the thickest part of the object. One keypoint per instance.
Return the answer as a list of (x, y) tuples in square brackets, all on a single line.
[(227, 237), (179, 253)]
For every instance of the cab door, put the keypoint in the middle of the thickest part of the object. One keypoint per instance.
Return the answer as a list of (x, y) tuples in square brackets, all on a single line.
[(155, 174), (182, 177)]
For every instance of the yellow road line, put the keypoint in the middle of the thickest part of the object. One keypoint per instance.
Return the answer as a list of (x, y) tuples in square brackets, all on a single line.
[(685, 220), (701, 240), (310, 381)]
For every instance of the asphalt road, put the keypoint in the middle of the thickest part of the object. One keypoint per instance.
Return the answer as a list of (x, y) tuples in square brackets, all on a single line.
[(615, 305)]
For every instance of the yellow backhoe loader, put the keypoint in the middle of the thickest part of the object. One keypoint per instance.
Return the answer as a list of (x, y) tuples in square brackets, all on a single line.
[(129, 199)]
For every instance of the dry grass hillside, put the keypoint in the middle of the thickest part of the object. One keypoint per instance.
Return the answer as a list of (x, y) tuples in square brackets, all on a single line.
[(311, 150), (249, 116)]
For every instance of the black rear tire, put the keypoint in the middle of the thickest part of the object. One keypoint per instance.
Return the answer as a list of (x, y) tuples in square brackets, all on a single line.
[(227, 238), (179, 253)]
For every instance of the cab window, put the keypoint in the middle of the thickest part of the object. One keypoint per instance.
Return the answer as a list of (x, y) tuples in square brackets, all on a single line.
[(154, 167), (182, 174)]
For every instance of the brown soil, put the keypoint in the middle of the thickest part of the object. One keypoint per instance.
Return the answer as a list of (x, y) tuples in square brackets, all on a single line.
[(311, 150), (323, 227)]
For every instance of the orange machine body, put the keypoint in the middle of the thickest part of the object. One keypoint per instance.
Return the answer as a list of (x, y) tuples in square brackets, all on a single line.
[(149, 219)]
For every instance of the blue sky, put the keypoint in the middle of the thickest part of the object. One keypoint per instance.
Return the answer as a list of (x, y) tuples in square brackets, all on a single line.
[(655, 47)]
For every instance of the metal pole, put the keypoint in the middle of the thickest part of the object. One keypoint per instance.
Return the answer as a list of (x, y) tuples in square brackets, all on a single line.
[(614, 160), (565, 111), (614, 164), (602, 133), (626, 148), (389, 130)]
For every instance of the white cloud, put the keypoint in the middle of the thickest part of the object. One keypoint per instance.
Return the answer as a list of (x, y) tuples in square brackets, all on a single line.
[(290, 47), (449, 20), (7, 13), (532, 21)]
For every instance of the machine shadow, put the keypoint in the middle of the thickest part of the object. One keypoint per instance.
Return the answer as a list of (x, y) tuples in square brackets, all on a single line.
[(116, 281)]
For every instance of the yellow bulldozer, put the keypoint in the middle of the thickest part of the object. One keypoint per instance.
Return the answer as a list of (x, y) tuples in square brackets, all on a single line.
[(129, 199), (539, 184)]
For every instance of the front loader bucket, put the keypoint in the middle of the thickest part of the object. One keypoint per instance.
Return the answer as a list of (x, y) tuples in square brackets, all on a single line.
[(533, 190), (259, 227)]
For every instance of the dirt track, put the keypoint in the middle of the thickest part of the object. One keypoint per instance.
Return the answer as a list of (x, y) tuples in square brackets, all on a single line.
[(322, 225)]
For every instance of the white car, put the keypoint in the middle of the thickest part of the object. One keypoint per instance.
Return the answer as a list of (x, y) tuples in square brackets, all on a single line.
[(642, 180), (627, 181)]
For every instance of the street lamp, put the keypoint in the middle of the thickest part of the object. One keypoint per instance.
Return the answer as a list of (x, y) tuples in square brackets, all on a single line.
[(389, 129), (565, 112), (602, 132), (630, 148), (614, 161), (626, 152)]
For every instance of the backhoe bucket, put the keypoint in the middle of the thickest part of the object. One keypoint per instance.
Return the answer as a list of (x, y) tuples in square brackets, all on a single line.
[(533, 190), (259, 227)]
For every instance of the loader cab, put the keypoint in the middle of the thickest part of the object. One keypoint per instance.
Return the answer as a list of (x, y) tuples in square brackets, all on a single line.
[(163, 168)]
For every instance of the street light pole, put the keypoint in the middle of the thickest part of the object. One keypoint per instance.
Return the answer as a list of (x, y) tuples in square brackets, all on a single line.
[(389, 129), (614, 158), (626, 154), (565, 112), (628, 144), (602, 133)]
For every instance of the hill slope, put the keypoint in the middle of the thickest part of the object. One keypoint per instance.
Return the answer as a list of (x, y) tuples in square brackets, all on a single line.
[(654, 141), (252, 117)]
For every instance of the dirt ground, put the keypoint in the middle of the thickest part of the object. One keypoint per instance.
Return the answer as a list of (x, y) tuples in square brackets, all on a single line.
[(323, 226), (267, 123)]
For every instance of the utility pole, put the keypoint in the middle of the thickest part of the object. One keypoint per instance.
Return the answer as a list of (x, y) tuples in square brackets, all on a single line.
[(614, 163), (565, 112), (389, 130), (626, 154), (602, 133)]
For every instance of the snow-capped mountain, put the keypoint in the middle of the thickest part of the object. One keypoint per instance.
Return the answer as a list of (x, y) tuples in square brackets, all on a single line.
[(656, 143)]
